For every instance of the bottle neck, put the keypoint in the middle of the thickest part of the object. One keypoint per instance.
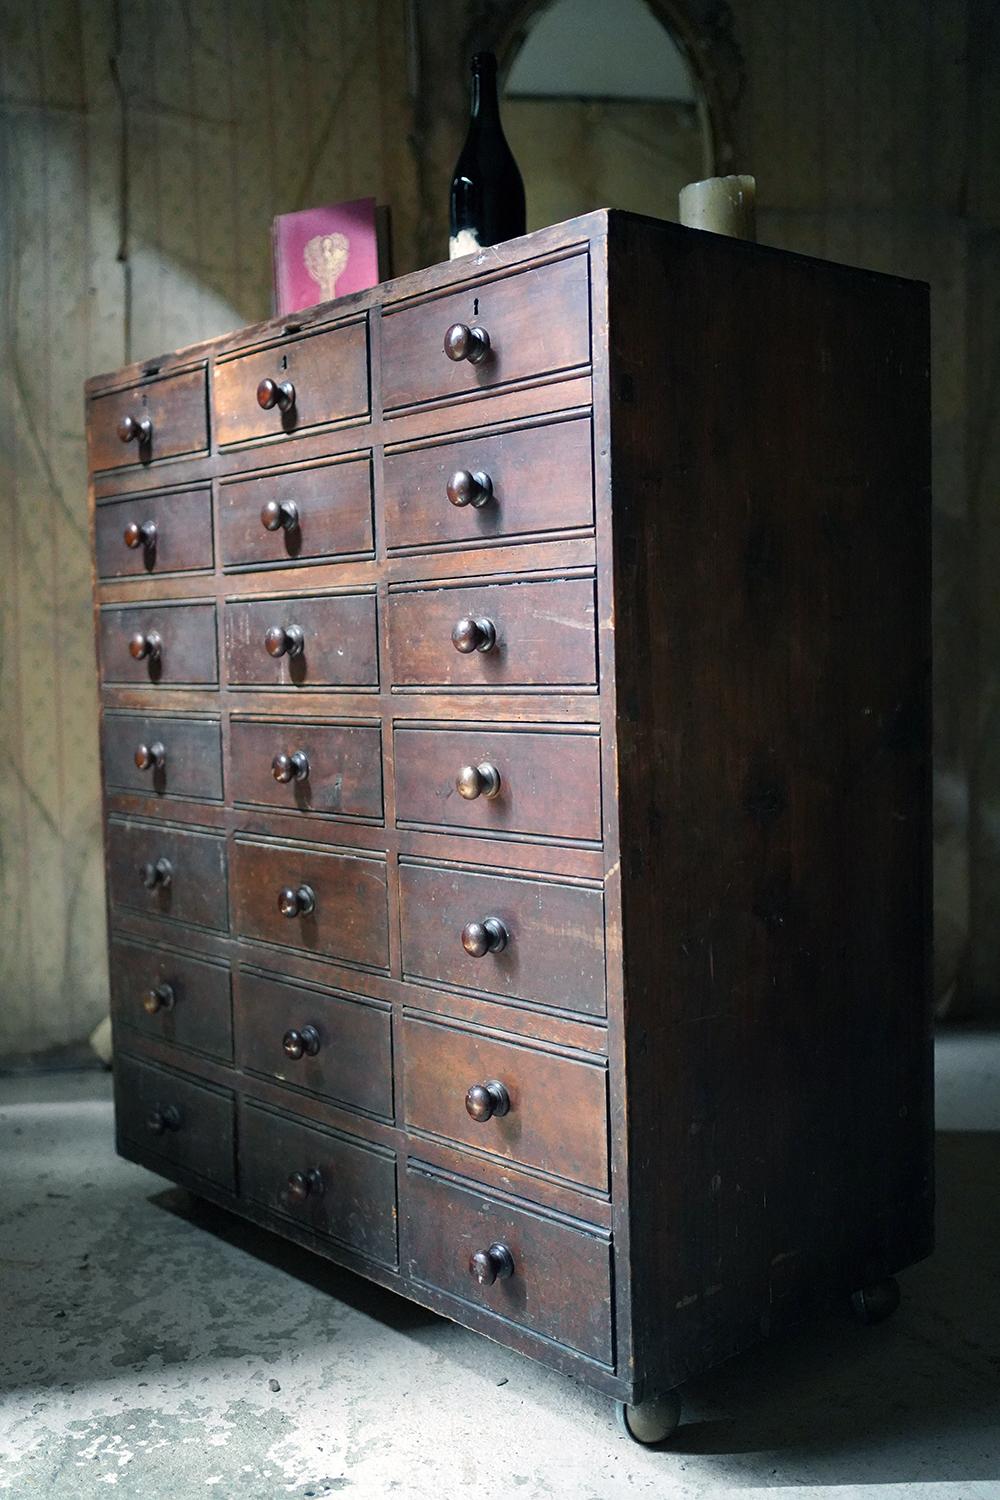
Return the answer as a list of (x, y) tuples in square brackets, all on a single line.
[(485, 104)]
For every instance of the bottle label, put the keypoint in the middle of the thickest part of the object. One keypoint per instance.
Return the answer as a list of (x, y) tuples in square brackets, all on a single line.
[(463, 243)]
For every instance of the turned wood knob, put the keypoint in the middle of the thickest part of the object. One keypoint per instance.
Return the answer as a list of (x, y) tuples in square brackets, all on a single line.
[(294, 767), (478, 781), (302, 1185), (163, 1117), (156, 874), (283, 640), (484, 1100), (467, 488), (136, 430), (279, 393), (150, 757), (480, 938), (494, 1264), (463, 342), (473, 635), (301, 1043), (279, 513), (296, 901), (141, 646), (161, 997), (141, 534)]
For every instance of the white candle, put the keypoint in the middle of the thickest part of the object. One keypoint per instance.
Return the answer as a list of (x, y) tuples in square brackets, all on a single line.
[(724, 205)]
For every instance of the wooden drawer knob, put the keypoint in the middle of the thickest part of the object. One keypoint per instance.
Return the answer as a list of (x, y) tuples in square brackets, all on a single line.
[(302, 1185), (296, 901), (494, 1264), (480, 938), (301, 1043), (462, 342), (136, 430), (150, 757), (278, 514), (478, 781), (467, 488), (142, 646), (163, 1117), (473, 635), (294, 767), (283, 640), (279, 393), (141, 534), (161, 997), (484, 1100), (156, 874)]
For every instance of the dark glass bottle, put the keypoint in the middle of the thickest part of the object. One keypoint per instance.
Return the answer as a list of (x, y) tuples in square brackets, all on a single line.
[(487, 194)]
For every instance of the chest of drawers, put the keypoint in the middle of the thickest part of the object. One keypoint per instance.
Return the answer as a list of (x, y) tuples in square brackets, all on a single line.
[(515, 716)]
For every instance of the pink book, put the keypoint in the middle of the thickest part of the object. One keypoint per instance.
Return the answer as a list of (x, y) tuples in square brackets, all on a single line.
[(322, 253)]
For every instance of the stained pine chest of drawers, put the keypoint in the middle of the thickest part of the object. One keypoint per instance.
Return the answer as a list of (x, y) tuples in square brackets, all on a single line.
[(515, 745)]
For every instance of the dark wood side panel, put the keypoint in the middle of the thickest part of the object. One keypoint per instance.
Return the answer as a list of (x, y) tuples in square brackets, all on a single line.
[(342, 765), (174, 997), (332, 514), (186, 1124), (181, 538), (348, 919), (187, 761)]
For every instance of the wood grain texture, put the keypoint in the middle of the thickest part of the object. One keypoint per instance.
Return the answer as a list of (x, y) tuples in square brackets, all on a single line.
[(198, 888), (192, 748), (187, 651), (329, 373), (339, 634), (333, 505), (203, 1138), (344, 763), (175, 405), (183, 522), (200, 1013)]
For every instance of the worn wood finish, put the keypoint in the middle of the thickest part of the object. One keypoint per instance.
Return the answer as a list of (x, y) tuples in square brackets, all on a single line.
[(329, 373), (331, 514), (342, 766), (181, 541), (161, 754), (338, 641), (349, 919), (175, 406), (188, 1124), (196, 886), (186, 652), (173, 996)]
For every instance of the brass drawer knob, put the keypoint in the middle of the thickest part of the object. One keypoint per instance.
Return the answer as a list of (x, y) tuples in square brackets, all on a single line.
[(478, 781), (278, 514), (480, 938), (462, 342), (494, 1264), (294, 767), (149, 645), (136, 430), (467, 488), (303, 1185), (283, 640), (141, 534), (163, 1117), (150, 757), (473, 635), (296, 901), (279, 393), (301, 1043), (160, 997), (156, 874), (484, 1100)]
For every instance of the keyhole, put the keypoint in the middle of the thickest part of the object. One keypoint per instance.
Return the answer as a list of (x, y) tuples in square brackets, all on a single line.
[(475, 308), (284, 361)]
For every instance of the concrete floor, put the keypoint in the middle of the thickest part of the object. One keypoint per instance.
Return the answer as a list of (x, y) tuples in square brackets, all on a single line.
[(152, 1347)]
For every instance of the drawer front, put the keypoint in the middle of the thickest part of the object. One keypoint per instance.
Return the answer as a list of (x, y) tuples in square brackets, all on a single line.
[(507, 485), (297, 517), (548, 948), (334, 1046), (188, 1124), (549, 784), (557, 1114), (176, 407), (530, 634), (348, 919), (339, 646), (308, 767), (340, 1187), (191, 885), (173, 997), (538, 321), (168, 756), (147, 534), (174, 643), (327, 371), (560, 1284)]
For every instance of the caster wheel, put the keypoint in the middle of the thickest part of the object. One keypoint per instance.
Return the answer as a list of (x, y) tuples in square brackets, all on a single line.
[(653, 1421), (873, 1304)]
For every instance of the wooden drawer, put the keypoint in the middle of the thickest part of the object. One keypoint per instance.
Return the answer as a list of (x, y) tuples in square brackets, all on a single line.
[(314, 513), (174, 533), (183, 756), (346, 1057), (177, 408), (343, 1188), (538, 321), (197, 888), (339, 641), (334, 769), (188, 1124), (534, 634), (552, 936), (560, 1285), (328, 372), (557, 1120), (537, 479), (549, 784), (173, 997), (186, 650), (349, 918)]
